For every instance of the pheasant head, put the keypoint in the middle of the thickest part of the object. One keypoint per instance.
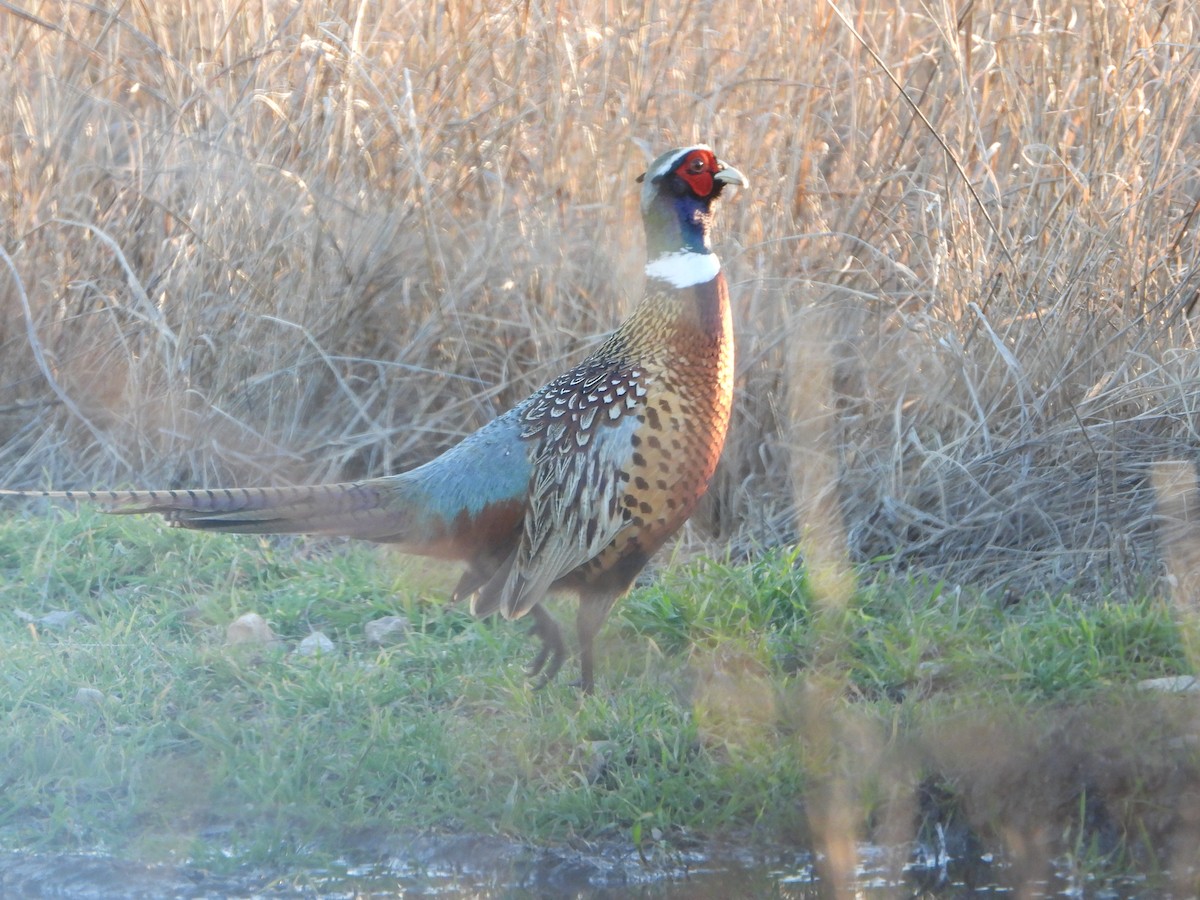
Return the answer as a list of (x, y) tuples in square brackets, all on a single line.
[(679, 192)]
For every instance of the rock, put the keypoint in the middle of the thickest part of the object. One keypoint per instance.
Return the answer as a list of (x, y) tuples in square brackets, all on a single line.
[(58, 618), (89, 696), (249, 629), (315, 644), (386, 630), (1177, 684)]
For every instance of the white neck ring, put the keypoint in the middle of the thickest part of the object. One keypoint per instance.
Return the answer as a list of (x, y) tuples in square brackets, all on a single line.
[(684, 268)]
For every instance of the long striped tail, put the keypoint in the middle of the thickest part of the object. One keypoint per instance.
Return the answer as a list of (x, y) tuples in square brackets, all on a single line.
[(353, 509)]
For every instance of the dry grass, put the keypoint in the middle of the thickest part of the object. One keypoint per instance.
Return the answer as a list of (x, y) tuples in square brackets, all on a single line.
[(290, 241)]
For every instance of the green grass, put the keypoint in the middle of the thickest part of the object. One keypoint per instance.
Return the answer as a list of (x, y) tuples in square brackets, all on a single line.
[(730, 703), (899, 636)]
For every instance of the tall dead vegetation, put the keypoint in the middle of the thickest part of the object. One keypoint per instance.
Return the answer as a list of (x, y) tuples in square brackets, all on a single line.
[(322, 240)]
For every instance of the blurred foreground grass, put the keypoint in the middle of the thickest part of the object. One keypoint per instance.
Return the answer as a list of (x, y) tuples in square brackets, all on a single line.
[(732, 704)]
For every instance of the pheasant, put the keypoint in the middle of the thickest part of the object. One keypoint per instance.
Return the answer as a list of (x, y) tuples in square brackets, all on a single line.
[(575, 488)]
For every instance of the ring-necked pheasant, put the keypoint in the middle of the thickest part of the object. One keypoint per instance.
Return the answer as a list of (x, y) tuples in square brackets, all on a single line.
[(576, 487)]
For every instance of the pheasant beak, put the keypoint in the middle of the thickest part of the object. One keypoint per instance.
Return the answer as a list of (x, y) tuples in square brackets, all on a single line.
[(730, 176)]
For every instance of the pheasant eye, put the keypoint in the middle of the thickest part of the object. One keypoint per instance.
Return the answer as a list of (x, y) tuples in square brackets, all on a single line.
[(696, 171)]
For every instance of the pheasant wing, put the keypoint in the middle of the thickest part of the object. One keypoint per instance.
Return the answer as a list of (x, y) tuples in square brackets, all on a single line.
[(584, 425)]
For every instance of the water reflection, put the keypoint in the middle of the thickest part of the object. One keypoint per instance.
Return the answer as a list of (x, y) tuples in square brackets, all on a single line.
[(479, 867)]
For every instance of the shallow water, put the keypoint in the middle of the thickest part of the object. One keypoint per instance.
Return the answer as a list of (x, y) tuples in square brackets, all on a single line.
[(481, 867)]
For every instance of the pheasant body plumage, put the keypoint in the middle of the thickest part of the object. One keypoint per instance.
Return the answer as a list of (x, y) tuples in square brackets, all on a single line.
[(576, 487)]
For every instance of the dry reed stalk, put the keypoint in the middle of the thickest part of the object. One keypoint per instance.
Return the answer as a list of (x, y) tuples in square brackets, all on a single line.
[(324, 240)]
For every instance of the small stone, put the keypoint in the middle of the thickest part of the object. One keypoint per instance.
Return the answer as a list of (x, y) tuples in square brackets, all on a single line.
[(386, 630), (249, 629), (316, 644), (89, 696), (1178, 684), (58, 618)]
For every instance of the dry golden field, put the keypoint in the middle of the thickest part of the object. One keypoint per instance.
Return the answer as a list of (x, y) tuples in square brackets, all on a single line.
[(279, 241)]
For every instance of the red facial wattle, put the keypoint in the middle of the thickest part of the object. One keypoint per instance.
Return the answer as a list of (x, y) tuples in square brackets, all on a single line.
[(698, 169)]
